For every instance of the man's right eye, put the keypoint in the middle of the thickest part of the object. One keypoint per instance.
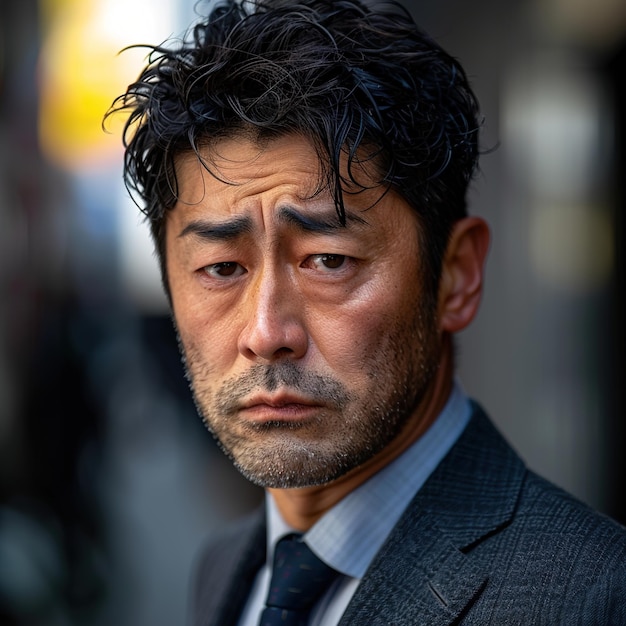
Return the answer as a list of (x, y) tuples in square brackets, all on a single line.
[(226, 269)]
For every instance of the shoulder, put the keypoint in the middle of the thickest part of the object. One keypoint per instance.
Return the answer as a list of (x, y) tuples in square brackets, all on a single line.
[(557, 560), (542, 503), (578, 535)]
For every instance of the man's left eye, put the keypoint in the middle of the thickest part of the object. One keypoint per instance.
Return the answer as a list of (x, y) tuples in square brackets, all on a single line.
[(328, 261)]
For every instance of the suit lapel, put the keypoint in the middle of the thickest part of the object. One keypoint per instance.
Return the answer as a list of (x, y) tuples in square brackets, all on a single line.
[(425, 573)]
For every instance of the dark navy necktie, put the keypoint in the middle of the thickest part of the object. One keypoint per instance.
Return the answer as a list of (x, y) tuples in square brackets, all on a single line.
[(299, 579)]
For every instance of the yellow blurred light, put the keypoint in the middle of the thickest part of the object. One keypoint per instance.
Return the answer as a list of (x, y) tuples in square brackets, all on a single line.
[(81, 72)]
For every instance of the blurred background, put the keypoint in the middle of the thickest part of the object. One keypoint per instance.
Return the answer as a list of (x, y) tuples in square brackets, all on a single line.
[(108, 481)]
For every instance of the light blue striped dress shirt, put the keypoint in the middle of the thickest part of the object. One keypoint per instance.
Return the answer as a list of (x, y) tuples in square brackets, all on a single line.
[(349, 535)]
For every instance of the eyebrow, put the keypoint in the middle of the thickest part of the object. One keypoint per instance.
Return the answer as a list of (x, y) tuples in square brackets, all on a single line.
[(238, 226), (318, 223), (218, 231)]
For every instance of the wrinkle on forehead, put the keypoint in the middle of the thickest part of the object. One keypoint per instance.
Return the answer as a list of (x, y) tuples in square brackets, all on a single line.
[(250, 164), (240, 162)]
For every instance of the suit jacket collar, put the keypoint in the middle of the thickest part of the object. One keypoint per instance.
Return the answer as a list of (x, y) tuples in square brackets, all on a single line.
[(424, 571)]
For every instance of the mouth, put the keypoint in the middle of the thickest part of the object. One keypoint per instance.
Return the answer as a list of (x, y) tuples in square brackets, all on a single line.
[(279, 408)]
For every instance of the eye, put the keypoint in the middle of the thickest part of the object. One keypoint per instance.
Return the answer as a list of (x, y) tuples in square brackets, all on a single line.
[(325, 262), (226, 269)]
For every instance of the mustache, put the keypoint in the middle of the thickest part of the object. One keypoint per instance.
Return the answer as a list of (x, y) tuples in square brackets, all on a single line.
[(284, 375)]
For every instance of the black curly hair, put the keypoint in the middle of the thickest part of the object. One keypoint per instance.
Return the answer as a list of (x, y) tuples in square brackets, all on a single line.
[(359, 81)]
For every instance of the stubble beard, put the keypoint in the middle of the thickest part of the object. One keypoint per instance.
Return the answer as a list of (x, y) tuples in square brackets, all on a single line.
[(349, 430)]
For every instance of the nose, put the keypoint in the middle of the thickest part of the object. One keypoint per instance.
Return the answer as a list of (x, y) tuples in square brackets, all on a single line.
[(273, 326)]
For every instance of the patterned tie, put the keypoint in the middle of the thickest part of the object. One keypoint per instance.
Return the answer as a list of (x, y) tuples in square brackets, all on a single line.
[(299, 579)]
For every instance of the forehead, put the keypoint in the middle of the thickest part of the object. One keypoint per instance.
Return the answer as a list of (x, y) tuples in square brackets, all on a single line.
[(239, 167)]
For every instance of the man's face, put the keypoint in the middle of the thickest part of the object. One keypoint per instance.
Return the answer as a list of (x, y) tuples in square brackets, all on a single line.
[(308, 344)]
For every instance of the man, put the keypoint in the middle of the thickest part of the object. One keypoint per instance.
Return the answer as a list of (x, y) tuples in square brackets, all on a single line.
[(304, 167)]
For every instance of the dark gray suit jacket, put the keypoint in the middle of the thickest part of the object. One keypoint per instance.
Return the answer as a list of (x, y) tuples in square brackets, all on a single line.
[(485, 541)]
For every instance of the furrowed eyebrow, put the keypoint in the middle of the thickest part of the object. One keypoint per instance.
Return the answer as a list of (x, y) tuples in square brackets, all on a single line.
[(218, 231), (316, 223)]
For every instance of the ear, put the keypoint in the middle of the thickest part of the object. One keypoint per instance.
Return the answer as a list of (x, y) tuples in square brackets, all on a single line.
[(462, 274)]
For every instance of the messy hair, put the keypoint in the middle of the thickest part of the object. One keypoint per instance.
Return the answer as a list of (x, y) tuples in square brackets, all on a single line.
[(359, 81)]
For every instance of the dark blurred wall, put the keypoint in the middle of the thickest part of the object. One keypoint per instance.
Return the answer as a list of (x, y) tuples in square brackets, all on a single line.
[(615, 68), (49, 526)]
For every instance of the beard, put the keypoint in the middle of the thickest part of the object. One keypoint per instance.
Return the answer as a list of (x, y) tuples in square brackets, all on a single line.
[(351, 425)]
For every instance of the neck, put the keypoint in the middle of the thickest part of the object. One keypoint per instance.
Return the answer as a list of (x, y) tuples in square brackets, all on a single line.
[(301, 508)]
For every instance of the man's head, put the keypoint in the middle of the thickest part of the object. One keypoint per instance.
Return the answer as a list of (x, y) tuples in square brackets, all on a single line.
[(355, 79), (304, 170)]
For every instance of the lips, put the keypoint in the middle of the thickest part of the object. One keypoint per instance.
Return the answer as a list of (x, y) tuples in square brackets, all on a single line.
[(283, 407)]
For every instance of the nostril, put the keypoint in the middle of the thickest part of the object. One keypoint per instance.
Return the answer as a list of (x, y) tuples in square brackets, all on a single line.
[(282, 352)]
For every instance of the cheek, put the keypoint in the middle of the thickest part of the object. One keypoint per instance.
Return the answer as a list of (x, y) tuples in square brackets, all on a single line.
[(365, 331), (207, 339), (202, 321)]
